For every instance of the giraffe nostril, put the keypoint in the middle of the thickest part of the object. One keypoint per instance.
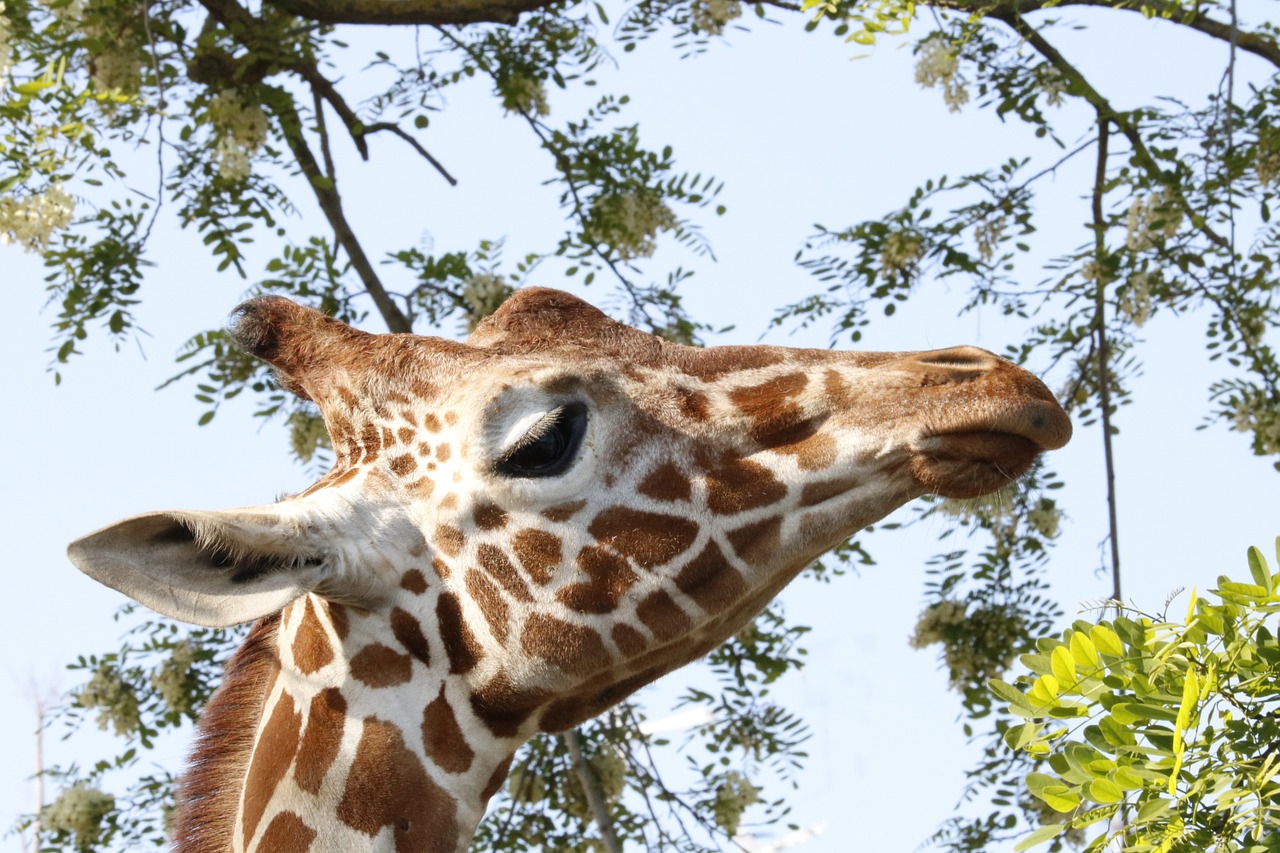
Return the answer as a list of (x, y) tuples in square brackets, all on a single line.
[(964, 358)]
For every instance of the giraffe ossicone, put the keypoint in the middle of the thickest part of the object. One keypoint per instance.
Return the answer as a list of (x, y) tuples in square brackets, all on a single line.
[(518, 532)]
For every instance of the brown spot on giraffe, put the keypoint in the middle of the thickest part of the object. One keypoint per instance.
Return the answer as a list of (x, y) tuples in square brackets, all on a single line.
[(735, 485), (407, 630), (370, 442), (575, 649), (495, 563), (629, 641), (414, 581), (389, 787), (488, 516), (403, 464), (503, 707), (459, 643), (442, 737), (610, 576), (666, 483), (430, 422), (272, 756), (710, 580), (692, 404), (650, 539), (381, 666), (312, 651), (538, 552), (406, 434), (320, 739), (822, 490), (752, 541), (495, 781), (563, 512), (449, 539), (339, 619), (287, 833), (443, 452), (663, 616), (492, 604)]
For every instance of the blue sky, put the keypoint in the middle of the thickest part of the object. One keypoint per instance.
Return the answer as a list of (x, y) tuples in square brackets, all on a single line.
[(801, 133)]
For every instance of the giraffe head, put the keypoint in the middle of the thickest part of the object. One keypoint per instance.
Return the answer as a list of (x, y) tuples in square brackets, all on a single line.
[(538, 521)]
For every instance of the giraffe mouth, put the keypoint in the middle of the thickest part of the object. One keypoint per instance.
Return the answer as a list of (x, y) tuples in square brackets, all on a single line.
[(968, 464)]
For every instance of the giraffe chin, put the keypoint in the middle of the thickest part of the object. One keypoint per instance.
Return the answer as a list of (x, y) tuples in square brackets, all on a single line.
[(969, 464)]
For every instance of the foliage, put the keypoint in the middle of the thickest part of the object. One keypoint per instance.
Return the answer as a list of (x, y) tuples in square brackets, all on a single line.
[(224, 116), (1153, 734)]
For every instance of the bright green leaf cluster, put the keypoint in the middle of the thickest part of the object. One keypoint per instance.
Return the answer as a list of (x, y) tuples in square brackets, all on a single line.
[(1155, 734)]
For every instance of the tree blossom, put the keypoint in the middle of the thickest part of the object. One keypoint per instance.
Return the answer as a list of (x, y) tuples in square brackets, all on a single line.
[(939, 65), (33, 220), (242, 130)]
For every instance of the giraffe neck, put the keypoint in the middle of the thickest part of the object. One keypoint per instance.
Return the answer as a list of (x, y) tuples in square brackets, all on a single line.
[(306, 749)]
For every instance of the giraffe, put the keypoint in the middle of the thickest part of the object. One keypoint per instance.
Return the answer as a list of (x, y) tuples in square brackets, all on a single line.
[(518, 532)]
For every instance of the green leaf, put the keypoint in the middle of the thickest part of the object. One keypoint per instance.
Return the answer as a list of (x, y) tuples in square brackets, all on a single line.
[(1258, 568), (1106, 641), (1103, 791), (1083, 651), (1064, 665), (1041, 835), (1060, 798)]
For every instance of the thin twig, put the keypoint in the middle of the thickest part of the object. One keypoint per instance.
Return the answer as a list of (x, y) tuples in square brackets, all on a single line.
[(1100, 329), (595, 793), (160, 107), (417, 146)]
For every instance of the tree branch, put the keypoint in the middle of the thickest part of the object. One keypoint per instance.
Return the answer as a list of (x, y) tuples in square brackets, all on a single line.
[(326, 191), (1104, 350), (429, 12), (1106, 112), (1259, 45), (400, 132), (595, 794)]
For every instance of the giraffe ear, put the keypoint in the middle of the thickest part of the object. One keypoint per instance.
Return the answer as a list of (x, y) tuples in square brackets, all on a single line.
[(210, 568)]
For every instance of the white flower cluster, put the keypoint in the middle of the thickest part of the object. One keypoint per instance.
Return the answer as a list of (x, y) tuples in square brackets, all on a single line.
[(733, 795), (987, 234), (710, 16), (901, 253), (989, 508), (175, 679), (483, 294), (242, 130), (32, 221), (976, 645), (1045, 519), (1152, 216), (117, 69), (939, 65), (6, 52), (115, 699), (935, 621), (1134, 300), (1051, 83), (1094, 271), (631, 220), (527, 95), (1255, 414), (79, 810)]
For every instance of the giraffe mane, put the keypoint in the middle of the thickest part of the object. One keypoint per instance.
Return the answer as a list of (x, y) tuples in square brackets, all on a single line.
[(209, 793)]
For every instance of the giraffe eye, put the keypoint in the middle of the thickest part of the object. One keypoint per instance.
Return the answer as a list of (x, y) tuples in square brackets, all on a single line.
[(550, 445)]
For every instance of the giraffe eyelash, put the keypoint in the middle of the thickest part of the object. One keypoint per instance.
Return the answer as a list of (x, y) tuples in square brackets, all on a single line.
[(549, 446)]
